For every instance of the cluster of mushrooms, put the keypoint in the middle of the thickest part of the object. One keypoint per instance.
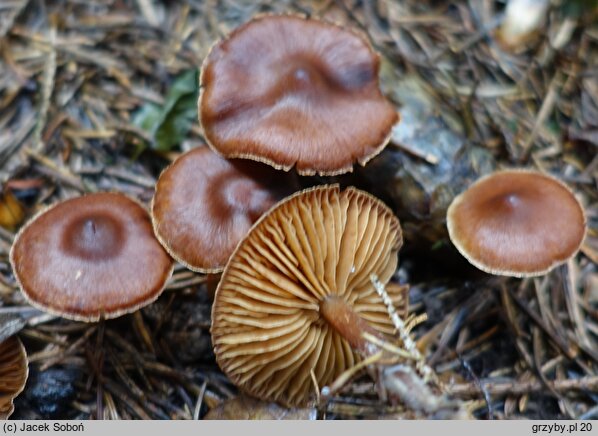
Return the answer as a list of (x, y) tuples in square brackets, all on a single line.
[(296, 293)]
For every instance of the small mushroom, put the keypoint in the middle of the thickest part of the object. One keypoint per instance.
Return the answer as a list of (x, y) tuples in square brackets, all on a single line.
[(517, 223), (205, 204), (290, 91), (297, 296), (13, 374), (90, 257), (523, 19)]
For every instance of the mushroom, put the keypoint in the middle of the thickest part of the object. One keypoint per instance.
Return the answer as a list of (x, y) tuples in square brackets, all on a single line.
[(90, 257), (297, 295), (13, 374), (522, 21), (287, 90), (517, 223), (204, 205)]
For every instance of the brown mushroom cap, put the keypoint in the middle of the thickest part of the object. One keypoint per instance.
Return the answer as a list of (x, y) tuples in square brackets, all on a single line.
[(516, 223), (91, 256), (204, 205), (316, 246), (287, 91), (13, 374)]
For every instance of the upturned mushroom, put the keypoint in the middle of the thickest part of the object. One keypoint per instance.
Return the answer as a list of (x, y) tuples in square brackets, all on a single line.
[(291, 91), (205, 204), (296, 296), (517, 223), (13, 374), (90, 257)]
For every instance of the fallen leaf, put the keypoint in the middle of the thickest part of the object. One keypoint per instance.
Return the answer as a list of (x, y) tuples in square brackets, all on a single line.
[(169, 123), (12, 212)]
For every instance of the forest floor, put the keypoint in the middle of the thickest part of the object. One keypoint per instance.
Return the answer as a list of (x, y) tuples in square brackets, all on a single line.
[(81, 81)]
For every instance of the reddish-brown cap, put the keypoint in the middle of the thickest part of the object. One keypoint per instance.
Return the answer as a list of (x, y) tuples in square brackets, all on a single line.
[(288, 91), (516, 223), (13, 374), (90, 256), (205, 204), (307, 261)]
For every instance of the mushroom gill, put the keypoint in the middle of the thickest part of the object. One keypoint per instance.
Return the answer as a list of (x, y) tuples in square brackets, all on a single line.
[(297, 293), (13, 374)]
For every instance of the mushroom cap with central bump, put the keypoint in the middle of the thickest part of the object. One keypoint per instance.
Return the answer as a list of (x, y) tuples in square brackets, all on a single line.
[(308, 260), (290, 91), (205, 204), (517, 223), (89, 257), (13, 374)]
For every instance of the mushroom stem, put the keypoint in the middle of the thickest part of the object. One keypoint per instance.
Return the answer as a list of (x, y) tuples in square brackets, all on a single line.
[(349, 325)]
